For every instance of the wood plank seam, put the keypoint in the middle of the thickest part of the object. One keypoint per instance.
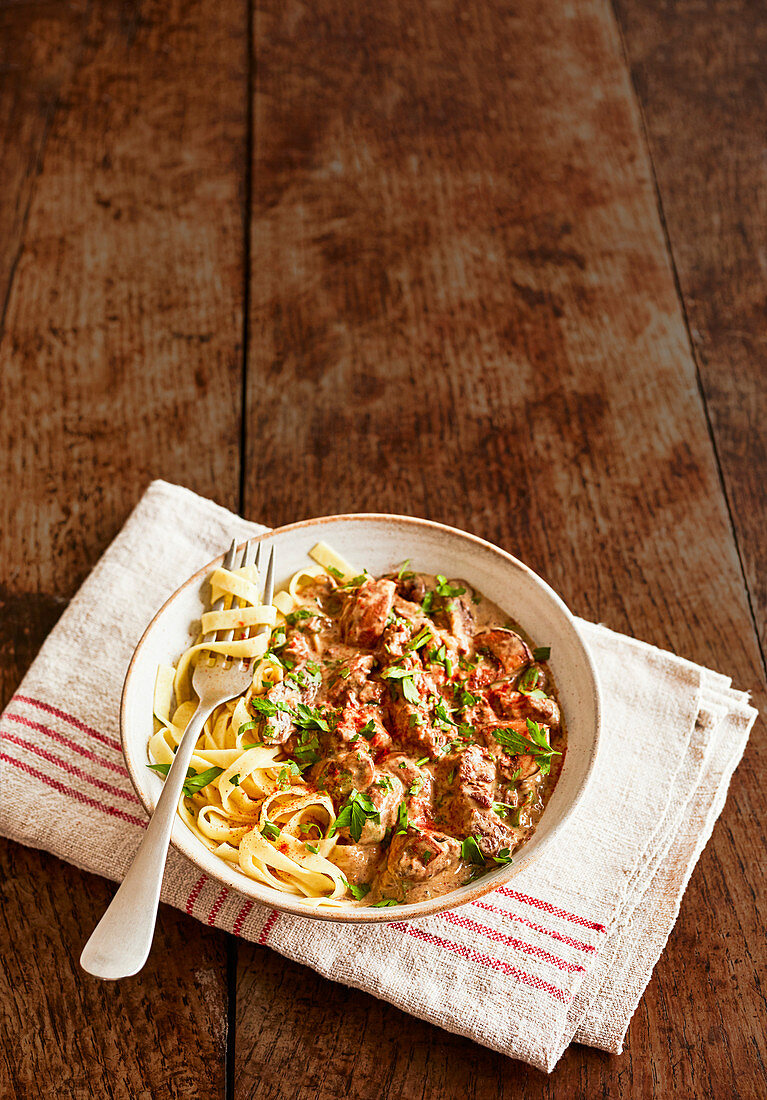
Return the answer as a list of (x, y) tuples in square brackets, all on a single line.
[(690, 342)]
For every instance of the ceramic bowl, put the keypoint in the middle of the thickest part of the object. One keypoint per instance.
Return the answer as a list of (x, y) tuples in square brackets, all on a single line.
[(380, 543)]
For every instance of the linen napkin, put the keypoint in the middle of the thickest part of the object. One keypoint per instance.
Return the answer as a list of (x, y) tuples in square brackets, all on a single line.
[(563, 952)]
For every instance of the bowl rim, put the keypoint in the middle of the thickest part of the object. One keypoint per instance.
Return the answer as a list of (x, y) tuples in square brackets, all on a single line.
[(366, 915)]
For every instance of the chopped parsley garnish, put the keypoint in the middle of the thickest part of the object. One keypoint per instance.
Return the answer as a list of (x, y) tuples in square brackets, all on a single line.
[(440, 657), (421, 638), (442, 715), (247, 726), (299, 615), (402, 819), (542, 653), (428, 602), (417, 785), (415, 720), (427, 855), (368, 731), (385, 783), (423, 760), (470, 851), (267, 707), (312, 847), (405, 676), (308, 751), (504, 856), (536, 746), (529, 679), (359, 891), (269, 831), (384, 902), (451, 776), (234, 780), (290, 769), (503, 809), (355, 813), (476, 598), (194, 781), (335, 572), (403, 573), (469, 700), (448, 590), (308, 718)]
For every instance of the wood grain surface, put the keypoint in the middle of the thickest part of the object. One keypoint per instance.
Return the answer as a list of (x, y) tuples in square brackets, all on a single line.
[(455, 280), (120, 350), (702, 81)]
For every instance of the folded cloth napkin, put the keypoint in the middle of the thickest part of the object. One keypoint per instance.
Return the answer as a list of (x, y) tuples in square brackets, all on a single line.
[(564, 952)]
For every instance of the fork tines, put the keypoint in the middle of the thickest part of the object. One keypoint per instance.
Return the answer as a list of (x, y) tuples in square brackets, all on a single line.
[(236, 559)]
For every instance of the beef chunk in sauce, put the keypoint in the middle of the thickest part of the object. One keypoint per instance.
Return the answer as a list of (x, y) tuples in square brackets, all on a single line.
[(277, 727), (353, 770), (365, 613), (420, 866), (349, 677), (514, 704), (359, 862), (508, 649)]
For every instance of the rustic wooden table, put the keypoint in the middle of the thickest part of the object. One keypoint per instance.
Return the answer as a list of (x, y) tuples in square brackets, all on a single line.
[(496, 264)]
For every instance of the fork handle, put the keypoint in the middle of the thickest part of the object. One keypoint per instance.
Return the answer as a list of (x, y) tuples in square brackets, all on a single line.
[(121, 941)]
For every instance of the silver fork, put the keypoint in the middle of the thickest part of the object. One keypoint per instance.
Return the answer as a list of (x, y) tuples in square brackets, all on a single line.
[(121, 941)]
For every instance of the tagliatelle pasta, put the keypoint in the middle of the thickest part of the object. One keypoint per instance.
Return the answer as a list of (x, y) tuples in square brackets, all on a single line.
[(256, 811)]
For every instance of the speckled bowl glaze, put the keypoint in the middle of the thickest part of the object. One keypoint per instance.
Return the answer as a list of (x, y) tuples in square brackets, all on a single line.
[(379, 543)]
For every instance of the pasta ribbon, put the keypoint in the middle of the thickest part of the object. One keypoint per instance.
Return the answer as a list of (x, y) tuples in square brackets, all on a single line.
[(256, 812)]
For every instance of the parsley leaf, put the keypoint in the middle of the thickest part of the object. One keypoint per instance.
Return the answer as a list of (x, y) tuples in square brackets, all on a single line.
[(355, 813), (307, 752), (359, 891), (245, 727), (537, 746), (410, 691), (269, 831), (384, 902), (402, 819), (403, 570), (368, 731), (312, 847), (423, 760), (417, 785), (542, 653), (442, 715), (308, 718), (299, 615), (234, 780), (528, 681), (504, 856), (440, 657), (385, 783), (421, 638), (470, 851), (290, 769), (405, 676), (448, 590), (503, 809), (335, 572)]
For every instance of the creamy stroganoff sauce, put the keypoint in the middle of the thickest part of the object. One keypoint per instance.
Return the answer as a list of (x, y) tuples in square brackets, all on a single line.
[(444, 736)]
